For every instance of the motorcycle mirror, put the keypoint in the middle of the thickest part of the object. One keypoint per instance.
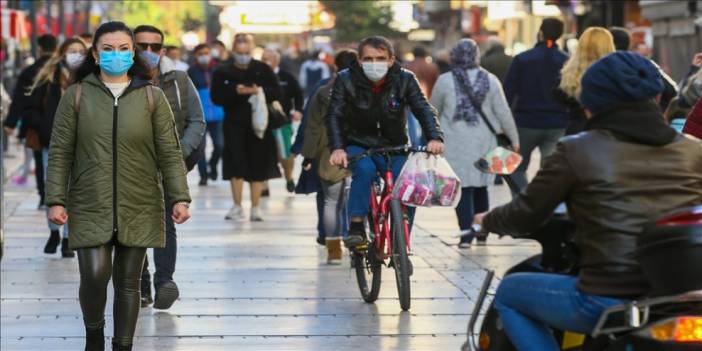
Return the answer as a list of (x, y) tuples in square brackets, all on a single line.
[(499, 161)]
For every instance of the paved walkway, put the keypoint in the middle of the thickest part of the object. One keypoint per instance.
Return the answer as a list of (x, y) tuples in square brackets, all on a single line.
[(254, 286)]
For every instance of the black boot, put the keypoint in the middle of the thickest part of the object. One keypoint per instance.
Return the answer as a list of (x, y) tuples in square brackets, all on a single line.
[(66, 251), (53, 242), (118, 347), (146, 297), (95, 339)]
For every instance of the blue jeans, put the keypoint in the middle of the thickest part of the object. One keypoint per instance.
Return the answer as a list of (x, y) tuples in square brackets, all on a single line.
[(530, 303), (364, 172), (214, 129), (415, 130), (45, 164)]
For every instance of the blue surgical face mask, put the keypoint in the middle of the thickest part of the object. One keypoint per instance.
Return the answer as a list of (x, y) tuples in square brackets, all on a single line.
[(116, 63), (151, 59)]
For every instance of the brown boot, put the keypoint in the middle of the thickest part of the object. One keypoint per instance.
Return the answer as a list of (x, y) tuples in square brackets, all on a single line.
[(334, 251)]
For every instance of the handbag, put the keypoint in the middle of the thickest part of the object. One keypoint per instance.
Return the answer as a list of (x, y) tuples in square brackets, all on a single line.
[(277, 118)]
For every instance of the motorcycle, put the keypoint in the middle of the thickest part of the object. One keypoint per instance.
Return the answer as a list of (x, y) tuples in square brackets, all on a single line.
[(670, 318)]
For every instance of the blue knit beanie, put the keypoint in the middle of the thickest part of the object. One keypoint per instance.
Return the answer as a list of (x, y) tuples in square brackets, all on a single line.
[(617, 78)]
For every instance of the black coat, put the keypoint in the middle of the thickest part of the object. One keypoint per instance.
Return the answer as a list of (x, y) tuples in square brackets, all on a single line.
[(496, 62), (41, 107), (358, 116), (19, 99), (292, 92)]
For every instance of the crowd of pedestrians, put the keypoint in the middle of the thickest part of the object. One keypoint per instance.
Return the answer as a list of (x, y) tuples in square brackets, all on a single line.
[(114, 122)]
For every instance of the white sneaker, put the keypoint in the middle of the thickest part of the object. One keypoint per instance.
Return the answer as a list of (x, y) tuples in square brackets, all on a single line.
[(236, 213), (256, 215)]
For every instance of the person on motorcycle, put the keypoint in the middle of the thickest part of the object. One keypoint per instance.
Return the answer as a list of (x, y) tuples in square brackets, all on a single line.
[(367, 110), (626, 169)]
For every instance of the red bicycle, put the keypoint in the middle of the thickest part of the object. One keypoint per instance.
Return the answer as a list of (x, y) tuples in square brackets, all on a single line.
[(390, 233)]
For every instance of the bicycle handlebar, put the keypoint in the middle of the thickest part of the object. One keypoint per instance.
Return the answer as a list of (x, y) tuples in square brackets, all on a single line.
[(404, 149)]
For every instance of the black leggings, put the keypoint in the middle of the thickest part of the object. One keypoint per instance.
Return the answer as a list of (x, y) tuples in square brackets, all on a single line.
[(96, 267)]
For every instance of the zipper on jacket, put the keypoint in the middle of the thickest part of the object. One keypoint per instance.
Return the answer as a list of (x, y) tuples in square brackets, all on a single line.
[(114, 167)]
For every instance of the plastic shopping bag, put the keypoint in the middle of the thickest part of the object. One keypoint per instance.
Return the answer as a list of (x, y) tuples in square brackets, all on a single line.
[(427, 181), (259, 113)]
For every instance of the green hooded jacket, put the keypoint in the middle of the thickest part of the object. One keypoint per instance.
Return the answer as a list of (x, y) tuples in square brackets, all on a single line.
[(107, 163)]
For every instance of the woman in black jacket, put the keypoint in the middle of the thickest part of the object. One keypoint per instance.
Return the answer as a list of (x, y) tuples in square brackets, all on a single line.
[(49, 85), (245, 157)]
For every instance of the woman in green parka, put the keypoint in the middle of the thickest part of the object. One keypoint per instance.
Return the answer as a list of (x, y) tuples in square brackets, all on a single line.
[(113, 144)]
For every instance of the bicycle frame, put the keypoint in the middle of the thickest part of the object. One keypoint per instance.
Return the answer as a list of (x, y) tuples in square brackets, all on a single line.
[(380, 213)]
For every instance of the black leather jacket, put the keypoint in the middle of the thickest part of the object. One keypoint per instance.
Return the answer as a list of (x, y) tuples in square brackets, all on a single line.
[(613, 185), (357, 116)]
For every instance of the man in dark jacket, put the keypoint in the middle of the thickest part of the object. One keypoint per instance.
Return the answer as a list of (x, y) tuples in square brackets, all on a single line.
[(495, 60), (47, 45), (367, 110), (605, 177), (529, 85), (190, 124), (292, 103)]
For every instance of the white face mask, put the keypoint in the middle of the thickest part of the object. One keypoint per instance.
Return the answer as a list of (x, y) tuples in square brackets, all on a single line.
[(203, 59), (242, 59), (74, 59), (375, 71), (215, 53)]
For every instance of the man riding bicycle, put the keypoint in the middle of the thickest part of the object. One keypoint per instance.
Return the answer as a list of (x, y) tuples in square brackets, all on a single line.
[(367, 110)]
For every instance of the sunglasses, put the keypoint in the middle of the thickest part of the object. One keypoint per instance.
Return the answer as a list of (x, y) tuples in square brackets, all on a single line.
[(150, 46)]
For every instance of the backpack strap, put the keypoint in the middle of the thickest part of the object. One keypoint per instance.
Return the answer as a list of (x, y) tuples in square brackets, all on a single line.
[(150, 98), (76, 102)]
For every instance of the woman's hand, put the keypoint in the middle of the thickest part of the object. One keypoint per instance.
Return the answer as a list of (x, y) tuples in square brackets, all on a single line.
[(57, 215), (181, 212)]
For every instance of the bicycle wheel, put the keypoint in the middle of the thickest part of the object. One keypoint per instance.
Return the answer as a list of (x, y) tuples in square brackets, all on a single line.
[(400, 258), (368, 268)]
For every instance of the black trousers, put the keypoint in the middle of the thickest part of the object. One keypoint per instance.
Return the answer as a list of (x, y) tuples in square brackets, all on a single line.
[(96, 267), (39, 173), (164, 258)]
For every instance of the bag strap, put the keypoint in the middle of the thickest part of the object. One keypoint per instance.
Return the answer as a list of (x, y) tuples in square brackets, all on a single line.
[(150, 98), (501, 138), (76, 102), (479, 108)]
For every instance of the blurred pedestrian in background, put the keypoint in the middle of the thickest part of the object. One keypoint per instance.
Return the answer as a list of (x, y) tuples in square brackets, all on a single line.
[(201, 74), (529, 84), (459, 97), (86, 38), (495, 60), (104, 173), (594, 43), (312, 71), (174, 53), (49, 86), (427, 73), (443, 61), (17, 115), (245, 156), (185, 105), (335, 181), (292, 102), (220, 54)]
